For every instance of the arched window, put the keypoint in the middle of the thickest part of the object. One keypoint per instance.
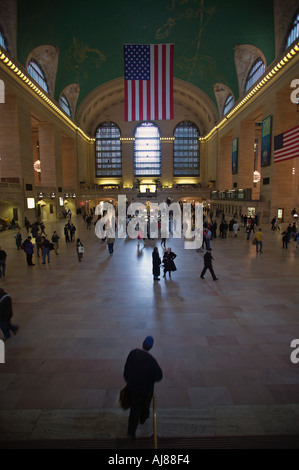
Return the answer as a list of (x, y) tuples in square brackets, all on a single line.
[(108, 150), (2, 40), (147, 150), (186, 150), (35, 71), (294, 32), (64, 104), (256, 71), (229, 103)]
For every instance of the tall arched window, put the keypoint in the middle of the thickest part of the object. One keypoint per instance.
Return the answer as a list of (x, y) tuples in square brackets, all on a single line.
[(147, 150), (256, 71), (294, 32), (108, 150), (2, 40), (229, 103), (65, 105), (186, 150), (35, 71)]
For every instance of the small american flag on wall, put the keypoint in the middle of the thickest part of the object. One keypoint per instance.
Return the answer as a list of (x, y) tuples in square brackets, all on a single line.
[(148, 82), (286, 145)]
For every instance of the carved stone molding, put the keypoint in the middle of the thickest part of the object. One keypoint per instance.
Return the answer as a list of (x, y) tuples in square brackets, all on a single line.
[(8, 24), (222, 92), (245, 56), (47, 57), (110, 95), (71, 92), (284, 15)]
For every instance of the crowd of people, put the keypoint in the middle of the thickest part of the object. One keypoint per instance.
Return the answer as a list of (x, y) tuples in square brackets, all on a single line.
[(141, 370)]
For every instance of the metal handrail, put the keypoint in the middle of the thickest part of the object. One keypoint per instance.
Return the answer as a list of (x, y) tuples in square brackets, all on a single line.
[(155, 421)]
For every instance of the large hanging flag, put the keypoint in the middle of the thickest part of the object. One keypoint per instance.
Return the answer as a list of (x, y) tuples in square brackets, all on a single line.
[(148, 82), (286, 145)]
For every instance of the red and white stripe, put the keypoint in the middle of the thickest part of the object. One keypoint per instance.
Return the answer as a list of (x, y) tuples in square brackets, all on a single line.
[(290, 147), (149, 100)]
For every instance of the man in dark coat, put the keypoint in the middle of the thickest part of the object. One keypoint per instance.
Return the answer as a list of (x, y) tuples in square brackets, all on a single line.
[(156, 264), (29, 250), (6, 315), (141, 372), (208, 265)]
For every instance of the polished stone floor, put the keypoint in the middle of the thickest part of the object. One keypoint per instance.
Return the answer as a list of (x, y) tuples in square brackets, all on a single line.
[(224, 346)]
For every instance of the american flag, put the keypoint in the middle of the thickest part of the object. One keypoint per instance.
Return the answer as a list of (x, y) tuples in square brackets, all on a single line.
[(148, 82), (286, 145)]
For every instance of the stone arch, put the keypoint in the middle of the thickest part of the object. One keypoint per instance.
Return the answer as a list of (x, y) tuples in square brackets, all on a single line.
[(222, 92), (71, 92), (284, 14), (99, 104), (8, 24), (47, 57), (245, 56)]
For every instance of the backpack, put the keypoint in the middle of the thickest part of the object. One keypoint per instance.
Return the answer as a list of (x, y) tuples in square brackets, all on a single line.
[(23, 245)]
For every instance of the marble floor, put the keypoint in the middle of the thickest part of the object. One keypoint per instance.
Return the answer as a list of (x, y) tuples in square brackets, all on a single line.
[(224, 346)]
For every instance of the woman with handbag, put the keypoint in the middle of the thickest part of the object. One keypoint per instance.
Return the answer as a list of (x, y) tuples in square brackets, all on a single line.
[(168, 262), (80, 249)]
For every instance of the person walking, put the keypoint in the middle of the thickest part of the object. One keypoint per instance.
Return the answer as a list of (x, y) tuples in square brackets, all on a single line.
[(6, 315), (29, 250), (3, 257), (285, 239), (168, 262), (236, 228), (156, 264), (141, 372), (39, 243), (208, 265), (42, 228), (55, 241), (259, 240), (249, 229), (18, 238), (66, 232), (46, 250), (80, 249), (110, 243), (72, 232)]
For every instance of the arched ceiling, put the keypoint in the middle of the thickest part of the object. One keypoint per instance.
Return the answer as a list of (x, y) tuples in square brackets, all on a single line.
[(90, 37)]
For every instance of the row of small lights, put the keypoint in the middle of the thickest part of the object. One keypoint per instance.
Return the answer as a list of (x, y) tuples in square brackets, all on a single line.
[(132, 139), (42, 95), (290, 55), (256, 89)]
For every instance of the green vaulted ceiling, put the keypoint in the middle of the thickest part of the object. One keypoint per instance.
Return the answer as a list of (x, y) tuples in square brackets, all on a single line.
[(90, 36)]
